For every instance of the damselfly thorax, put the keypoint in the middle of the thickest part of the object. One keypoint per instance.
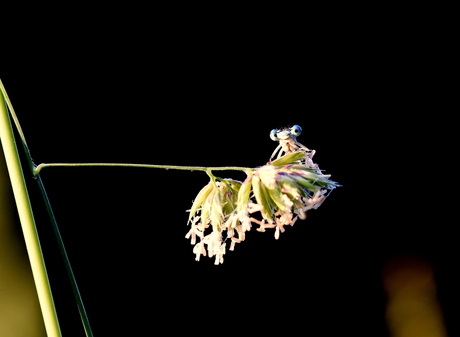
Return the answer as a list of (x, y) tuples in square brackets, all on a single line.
[(287, 139), (288, 143)]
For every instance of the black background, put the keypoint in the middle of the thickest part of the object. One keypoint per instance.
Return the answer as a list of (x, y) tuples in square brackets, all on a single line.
[(369, 103)]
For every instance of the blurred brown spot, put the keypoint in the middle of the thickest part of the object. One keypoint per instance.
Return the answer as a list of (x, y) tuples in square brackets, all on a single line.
[(412, 305)]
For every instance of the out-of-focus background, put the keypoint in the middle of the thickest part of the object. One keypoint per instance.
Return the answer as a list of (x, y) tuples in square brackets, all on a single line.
[(376, 259)]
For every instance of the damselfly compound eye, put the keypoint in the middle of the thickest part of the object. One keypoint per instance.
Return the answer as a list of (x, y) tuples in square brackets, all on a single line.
[(273, 135), (296, 130)]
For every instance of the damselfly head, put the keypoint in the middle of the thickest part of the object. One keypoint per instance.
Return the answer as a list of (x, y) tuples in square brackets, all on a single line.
[(286, 133)]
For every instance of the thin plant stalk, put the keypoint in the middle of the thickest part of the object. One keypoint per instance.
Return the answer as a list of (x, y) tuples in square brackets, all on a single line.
[(38, 168), (29, 229), (73, 282)]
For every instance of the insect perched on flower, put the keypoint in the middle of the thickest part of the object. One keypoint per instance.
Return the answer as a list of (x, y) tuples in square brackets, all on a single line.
[(282, 191)]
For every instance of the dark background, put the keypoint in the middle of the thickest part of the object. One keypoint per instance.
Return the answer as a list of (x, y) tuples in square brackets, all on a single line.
[(369, 103)]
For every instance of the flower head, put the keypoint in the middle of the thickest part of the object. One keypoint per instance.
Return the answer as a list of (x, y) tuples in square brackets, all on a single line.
[(286, 192), (282, 191), (220, 205)]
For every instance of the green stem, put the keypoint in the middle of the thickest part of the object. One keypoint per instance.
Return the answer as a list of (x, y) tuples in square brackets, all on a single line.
[(166, 167), (13, 114), (73, 282), (26, 217)]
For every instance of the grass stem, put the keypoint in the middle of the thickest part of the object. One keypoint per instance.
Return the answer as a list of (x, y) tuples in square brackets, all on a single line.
[(166, 167), (28, 223)]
